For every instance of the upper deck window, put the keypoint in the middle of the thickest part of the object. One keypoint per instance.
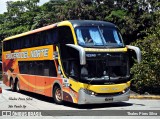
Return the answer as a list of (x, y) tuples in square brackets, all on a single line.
[(42, 38), (98, 36)]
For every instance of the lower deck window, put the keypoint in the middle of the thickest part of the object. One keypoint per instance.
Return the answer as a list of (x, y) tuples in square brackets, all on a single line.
[(42, 68)]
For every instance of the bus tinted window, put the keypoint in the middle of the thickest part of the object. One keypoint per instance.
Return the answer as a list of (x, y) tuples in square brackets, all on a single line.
[(65, 35), (38, 39), (42, 68)]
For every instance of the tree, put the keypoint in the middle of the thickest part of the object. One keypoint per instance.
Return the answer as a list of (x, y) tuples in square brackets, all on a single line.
[(18, 18), (146, 76)]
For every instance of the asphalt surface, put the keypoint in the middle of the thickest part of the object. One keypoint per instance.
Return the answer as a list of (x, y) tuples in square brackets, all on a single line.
[(10, 100)]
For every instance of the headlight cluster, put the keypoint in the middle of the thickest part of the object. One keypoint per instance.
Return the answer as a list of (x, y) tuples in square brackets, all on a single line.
[(125, 90), (88, 91)]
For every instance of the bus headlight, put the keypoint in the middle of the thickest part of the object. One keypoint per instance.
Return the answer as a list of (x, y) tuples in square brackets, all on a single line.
[(88, 91), (125, 90)]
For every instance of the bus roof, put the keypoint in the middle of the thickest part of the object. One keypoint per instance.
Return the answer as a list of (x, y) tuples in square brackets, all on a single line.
[(73, 22), (91, 23), (31, 32)]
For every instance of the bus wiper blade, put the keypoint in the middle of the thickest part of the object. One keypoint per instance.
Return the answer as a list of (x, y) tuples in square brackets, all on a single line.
[(118, 78), (90, 80)]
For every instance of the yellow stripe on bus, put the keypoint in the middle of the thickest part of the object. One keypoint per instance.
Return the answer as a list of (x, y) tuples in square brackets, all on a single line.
[(106, 50), (113, 88)]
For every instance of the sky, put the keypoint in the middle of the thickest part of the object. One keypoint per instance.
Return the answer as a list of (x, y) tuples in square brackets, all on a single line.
[(3, 4)]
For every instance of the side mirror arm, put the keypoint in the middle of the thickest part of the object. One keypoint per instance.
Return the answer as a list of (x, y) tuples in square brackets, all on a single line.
[(82, 53), (137, 51)]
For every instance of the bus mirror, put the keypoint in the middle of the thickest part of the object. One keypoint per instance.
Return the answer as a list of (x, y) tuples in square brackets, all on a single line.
[(82, 53), (137, 51)]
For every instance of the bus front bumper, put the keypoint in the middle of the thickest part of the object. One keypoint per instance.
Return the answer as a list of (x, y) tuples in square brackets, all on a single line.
[(85, 98)]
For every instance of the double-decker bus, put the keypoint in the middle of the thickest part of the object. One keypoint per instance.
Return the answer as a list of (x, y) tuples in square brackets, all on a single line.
[(80, 61)]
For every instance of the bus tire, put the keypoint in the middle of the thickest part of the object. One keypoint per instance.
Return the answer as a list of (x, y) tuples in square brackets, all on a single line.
[(17, 86), (12, 85), (57, 95)]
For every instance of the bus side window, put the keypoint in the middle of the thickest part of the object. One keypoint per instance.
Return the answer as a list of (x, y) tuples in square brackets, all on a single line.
[(34, 40), (36, 68), (46, 68), (52, 69), (22, 43), (5, 46), (30, 38), (51, 37), (49, 69), (18, 43), (40, 39), (40, 68), (55, 36), (31, 68), (26, 42), (65, 35), (11, 45), (8, 43), (48, 38), (23, 67)]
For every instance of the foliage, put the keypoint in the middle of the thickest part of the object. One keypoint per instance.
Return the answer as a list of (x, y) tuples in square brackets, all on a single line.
[(146, 76)]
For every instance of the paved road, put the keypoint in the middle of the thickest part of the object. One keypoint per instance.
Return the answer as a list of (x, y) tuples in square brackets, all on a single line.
[(29, 101)]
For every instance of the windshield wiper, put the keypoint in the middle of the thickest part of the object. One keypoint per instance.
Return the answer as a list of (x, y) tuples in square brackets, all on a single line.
[(103, 40)]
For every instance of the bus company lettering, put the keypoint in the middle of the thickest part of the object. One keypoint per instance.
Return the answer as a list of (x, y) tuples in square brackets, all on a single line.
[(24, 55), (39, 53), (17, 55)]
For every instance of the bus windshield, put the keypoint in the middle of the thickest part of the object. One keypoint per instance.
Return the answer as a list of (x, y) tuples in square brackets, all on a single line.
[(93, 36)]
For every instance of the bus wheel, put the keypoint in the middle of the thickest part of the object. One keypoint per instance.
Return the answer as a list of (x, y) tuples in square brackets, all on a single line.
[(17, 86), (12, 85), (57, 95)]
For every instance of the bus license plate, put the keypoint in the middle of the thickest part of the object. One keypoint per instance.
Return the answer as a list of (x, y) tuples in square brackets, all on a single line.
[(109, 99)]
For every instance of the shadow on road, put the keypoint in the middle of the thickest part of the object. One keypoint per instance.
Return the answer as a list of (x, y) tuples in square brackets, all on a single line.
[(96, 106), (68, 104)]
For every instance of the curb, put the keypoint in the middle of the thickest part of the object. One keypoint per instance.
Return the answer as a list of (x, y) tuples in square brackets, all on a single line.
[(144, 97)]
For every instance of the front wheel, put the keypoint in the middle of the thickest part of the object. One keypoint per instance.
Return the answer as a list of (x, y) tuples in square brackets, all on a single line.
[(57, 95)]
